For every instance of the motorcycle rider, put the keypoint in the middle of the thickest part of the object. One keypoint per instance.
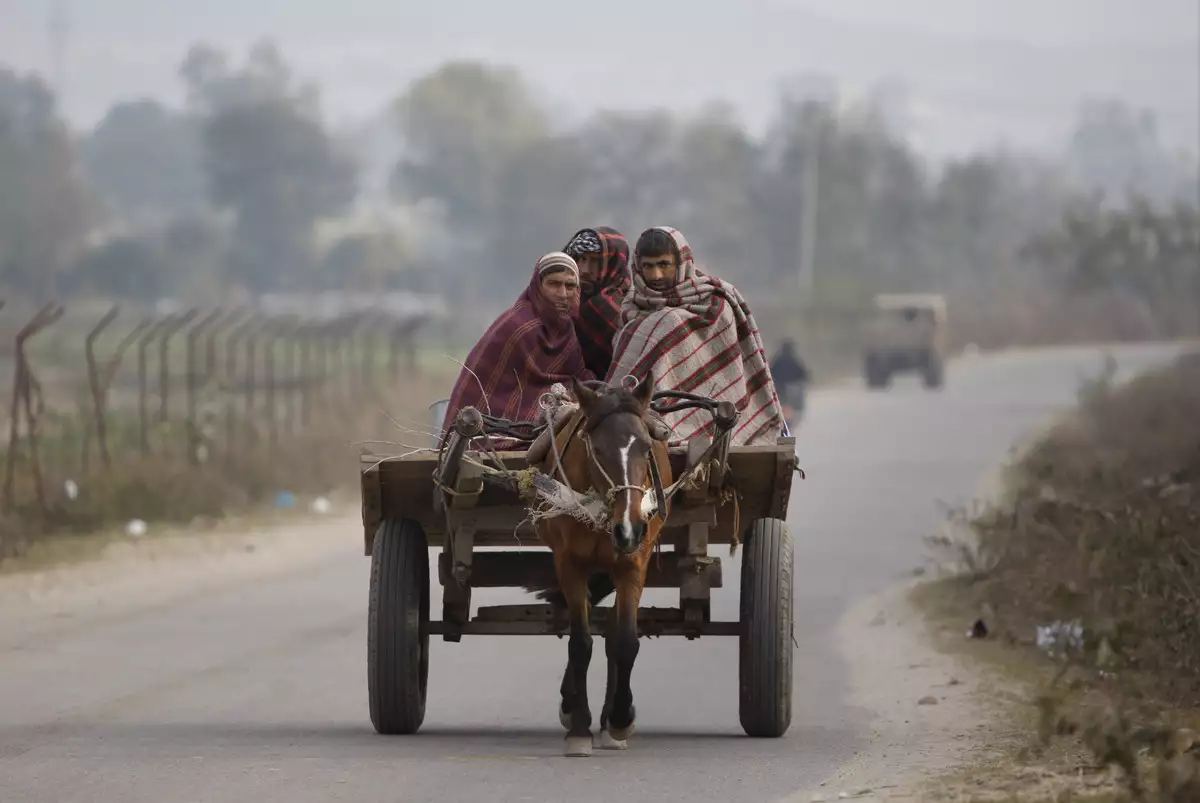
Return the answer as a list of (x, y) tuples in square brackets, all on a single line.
[(791, 377)]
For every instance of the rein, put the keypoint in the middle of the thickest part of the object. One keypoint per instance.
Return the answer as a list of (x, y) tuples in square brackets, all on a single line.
[(614, 488)]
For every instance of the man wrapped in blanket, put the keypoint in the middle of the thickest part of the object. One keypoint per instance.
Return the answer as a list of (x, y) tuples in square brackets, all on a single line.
[(696, 333), (602, 254), (527, 351)]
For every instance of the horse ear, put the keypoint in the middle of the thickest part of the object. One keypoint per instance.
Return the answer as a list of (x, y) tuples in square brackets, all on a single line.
[(585, 395), (644, 392)]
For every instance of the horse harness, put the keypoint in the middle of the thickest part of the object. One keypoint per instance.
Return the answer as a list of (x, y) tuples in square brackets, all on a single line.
[(572, 430)]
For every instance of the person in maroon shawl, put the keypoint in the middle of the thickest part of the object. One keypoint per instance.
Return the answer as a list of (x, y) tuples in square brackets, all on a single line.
[(603, 257), (528, 349)]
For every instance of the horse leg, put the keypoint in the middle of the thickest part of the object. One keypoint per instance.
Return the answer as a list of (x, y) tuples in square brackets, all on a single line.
[(579, 657), (606, 742), (610, 685), (624, 652), (567, 691), (599, 586)]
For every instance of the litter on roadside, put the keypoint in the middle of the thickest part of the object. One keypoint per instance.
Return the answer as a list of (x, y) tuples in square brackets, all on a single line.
[(1056, 637)]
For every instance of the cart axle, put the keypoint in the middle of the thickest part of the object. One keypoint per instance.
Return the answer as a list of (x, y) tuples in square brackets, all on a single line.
[(540, 620)]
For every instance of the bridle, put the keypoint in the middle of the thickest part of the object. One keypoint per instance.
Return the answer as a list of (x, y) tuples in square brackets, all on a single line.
[(614, 488)]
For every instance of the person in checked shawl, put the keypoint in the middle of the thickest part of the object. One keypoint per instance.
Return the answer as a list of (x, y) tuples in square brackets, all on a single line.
[(527, 350), (603, 257), (697, 334)]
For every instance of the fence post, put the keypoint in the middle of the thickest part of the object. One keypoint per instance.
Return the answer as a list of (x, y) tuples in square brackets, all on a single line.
[(192, 426), (24, 387), (94, 384), (164, 361), (150, 331)]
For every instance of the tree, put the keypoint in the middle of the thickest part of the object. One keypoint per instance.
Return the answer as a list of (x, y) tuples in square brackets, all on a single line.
[(124, 267), (368, 262), (269, 159), (462, 126), (1141, 251), (713, 183), (144, 158), (1117, 149), (544, 190), (45, 209)]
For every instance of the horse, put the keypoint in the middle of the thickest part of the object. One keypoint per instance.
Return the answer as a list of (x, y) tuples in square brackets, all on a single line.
[(608, 447)]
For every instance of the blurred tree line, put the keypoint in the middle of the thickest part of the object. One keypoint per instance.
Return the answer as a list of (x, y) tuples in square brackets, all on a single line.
[(247, 186)]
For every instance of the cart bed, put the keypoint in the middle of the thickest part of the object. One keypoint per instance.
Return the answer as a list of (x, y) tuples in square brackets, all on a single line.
[(403, 488)]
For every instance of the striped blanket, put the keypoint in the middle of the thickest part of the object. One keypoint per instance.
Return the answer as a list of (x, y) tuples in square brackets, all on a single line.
[(700, 337), (522, 355), (599, 315)]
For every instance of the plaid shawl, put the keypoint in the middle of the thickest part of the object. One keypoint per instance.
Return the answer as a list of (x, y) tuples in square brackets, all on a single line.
[(526, 350), (699, 336), (600, 312)]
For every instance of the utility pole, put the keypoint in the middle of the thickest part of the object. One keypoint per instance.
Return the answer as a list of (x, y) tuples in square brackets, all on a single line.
[(58, 30), (810, 186)]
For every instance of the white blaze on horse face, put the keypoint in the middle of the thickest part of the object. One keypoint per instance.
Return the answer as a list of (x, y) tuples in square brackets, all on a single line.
[(624, 452)]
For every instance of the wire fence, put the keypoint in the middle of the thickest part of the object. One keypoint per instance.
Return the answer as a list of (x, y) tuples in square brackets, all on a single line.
[(194, 386)]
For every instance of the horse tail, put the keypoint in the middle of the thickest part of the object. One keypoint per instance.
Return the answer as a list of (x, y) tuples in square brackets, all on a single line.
[(599, 587)]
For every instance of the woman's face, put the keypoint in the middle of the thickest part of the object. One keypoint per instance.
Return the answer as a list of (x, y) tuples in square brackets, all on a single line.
[(561, 289)]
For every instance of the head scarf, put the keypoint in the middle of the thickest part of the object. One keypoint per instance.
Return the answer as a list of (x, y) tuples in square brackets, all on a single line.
[(556, 262), (523, 353), (691, 283), (687, 261), (600, 309), (699, 336)]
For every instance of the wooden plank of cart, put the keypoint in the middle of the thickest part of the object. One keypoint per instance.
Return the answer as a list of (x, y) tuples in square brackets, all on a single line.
[(405, 512)]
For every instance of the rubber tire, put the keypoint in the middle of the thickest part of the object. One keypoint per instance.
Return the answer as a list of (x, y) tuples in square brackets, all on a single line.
[(765, 644), (398, 628), (877, 376), (934, 375)]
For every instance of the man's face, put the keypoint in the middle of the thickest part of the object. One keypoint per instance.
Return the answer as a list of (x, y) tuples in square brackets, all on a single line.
[(589, 270), (561, 289), (660, 272)]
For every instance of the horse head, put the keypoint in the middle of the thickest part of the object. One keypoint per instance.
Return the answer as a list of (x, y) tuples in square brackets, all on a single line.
[(620, 452)]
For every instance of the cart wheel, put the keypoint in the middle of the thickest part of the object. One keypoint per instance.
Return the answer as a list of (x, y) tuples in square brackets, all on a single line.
[(398, 628), (934, 374), (876, 373), (765, 642)]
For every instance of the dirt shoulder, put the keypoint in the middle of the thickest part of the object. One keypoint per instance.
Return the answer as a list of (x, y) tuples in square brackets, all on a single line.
[(932, 712), (1094, 525), (1084, 573)]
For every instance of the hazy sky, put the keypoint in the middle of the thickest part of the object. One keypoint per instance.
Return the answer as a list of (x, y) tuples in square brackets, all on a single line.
[(977, 70)]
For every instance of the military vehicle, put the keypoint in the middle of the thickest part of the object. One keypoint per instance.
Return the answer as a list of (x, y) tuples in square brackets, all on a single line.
[(905, 332)]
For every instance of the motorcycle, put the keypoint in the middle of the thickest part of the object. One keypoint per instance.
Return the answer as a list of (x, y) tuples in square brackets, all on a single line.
[(792, 400)]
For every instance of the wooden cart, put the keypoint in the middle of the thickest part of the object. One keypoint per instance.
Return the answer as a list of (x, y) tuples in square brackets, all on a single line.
[(405, 513)]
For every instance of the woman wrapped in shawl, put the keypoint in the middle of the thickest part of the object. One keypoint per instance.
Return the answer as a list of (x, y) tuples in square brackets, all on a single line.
[(603, 257), (697, 334), (528, 349)]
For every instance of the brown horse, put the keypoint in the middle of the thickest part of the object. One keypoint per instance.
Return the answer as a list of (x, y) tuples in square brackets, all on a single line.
[(607, 447)]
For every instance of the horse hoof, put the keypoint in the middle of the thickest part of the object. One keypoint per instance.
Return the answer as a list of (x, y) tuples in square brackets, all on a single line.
[(564, 718), (578, 747), (607, 742), (621, 734)]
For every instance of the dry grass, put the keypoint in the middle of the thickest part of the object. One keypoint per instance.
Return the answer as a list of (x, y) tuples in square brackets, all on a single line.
[(1100, 527), (164, 487)]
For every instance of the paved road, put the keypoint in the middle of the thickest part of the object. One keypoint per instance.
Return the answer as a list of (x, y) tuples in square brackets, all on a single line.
[(258, 692)]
